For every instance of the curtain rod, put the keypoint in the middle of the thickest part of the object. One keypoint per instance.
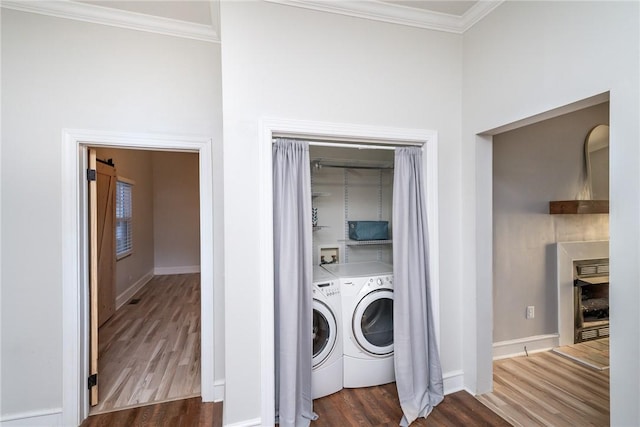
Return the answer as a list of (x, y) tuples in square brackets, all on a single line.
[(347, 145), (318, 164), (357, 144)]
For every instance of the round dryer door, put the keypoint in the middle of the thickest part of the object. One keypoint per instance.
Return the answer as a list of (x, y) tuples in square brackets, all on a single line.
[(325, 332), (373, 322)]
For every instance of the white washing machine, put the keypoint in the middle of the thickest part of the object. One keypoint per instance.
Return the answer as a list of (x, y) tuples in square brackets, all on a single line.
[(326, 377), (367, 313)]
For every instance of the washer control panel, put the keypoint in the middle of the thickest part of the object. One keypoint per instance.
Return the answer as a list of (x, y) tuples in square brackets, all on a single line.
[(328, 289), (360, 285), (377, 282)]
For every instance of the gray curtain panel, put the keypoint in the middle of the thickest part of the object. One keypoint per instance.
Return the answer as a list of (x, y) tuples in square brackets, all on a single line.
[(417, 362), (292, 282)]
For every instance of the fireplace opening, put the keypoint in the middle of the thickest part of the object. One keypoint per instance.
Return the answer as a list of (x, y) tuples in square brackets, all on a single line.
[(591, 299)]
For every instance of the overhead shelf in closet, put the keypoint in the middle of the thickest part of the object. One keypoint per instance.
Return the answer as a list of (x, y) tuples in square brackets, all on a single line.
[(365, 242)]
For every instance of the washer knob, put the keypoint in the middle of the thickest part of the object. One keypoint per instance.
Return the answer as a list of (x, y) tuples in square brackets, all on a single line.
[(379, 281)]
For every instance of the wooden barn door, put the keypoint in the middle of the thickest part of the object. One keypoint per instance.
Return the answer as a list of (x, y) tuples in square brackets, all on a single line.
[(102, 264)]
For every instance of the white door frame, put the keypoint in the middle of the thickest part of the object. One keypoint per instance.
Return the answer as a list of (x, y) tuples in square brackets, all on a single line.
[(75, 313), (479, 301), (343, 133)]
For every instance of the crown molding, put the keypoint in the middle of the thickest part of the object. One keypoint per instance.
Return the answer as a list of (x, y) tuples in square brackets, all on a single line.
[(398, 14), (119, 18), (477, 12)]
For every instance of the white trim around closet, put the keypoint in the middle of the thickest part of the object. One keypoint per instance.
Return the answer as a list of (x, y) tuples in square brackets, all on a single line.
[(334, 132)]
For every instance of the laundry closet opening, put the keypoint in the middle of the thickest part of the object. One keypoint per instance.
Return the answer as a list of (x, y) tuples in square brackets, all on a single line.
[(352, 335), (336, 175), (352, 291)]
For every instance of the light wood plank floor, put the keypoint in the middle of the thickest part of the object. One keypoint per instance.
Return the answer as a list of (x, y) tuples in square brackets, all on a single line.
[(150, 351), (594, 354), (546, 389)]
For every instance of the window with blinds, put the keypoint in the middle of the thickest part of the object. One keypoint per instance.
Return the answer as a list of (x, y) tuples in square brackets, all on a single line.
[(124, 218)]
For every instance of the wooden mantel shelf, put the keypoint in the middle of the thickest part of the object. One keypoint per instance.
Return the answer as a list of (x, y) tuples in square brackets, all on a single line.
[(579, 207)]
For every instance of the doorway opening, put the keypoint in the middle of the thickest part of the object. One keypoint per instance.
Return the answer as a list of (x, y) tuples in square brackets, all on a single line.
[(148, 278), (521, 168), (76, 257)]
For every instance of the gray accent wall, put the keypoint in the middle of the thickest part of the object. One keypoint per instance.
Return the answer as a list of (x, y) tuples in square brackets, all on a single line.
[(533, 165)]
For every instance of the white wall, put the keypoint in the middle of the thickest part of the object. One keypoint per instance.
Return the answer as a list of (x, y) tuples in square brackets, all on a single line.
[(60, 74), (526, 58), (135, 165), (176, 212), (533, 165), (287, 62)]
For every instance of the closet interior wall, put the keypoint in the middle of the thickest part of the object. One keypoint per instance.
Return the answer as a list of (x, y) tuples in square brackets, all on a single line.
[(342, 194)]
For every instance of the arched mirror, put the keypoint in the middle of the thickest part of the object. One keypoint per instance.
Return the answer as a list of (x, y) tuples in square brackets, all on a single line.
[(596, 150)]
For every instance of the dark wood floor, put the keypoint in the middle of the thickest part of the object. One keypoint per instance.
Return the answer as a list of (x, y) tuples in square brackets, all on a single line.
[(371, 406), (379, 406), (179, 413)]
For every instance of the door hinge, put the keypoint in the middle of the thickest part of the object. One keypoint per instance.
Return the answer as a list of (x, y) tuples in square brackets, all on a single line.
[(91, 174), (92, 380)]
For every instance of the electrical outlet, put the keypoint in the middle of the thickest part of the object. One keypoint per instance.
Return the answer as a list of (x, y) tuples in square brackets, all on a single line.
[(531, 313)]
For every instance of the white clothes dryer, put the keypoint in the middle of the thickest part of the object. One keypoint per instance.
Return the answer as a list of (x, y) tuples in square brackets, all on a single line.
[(327, 374), (367, 313)]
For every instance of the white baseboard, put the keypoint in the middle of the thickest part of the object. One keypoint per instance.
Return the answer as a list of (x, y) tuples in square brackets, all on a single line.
[(246, 423), (128, 293), (534, 344), (187, 269), (453, 381), (51, 417), (218, 391)]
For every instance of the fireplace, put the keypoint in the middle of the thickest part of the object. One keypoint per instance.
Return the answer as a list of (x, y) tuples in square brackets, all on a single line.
[(591, 299), (567, 254)]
